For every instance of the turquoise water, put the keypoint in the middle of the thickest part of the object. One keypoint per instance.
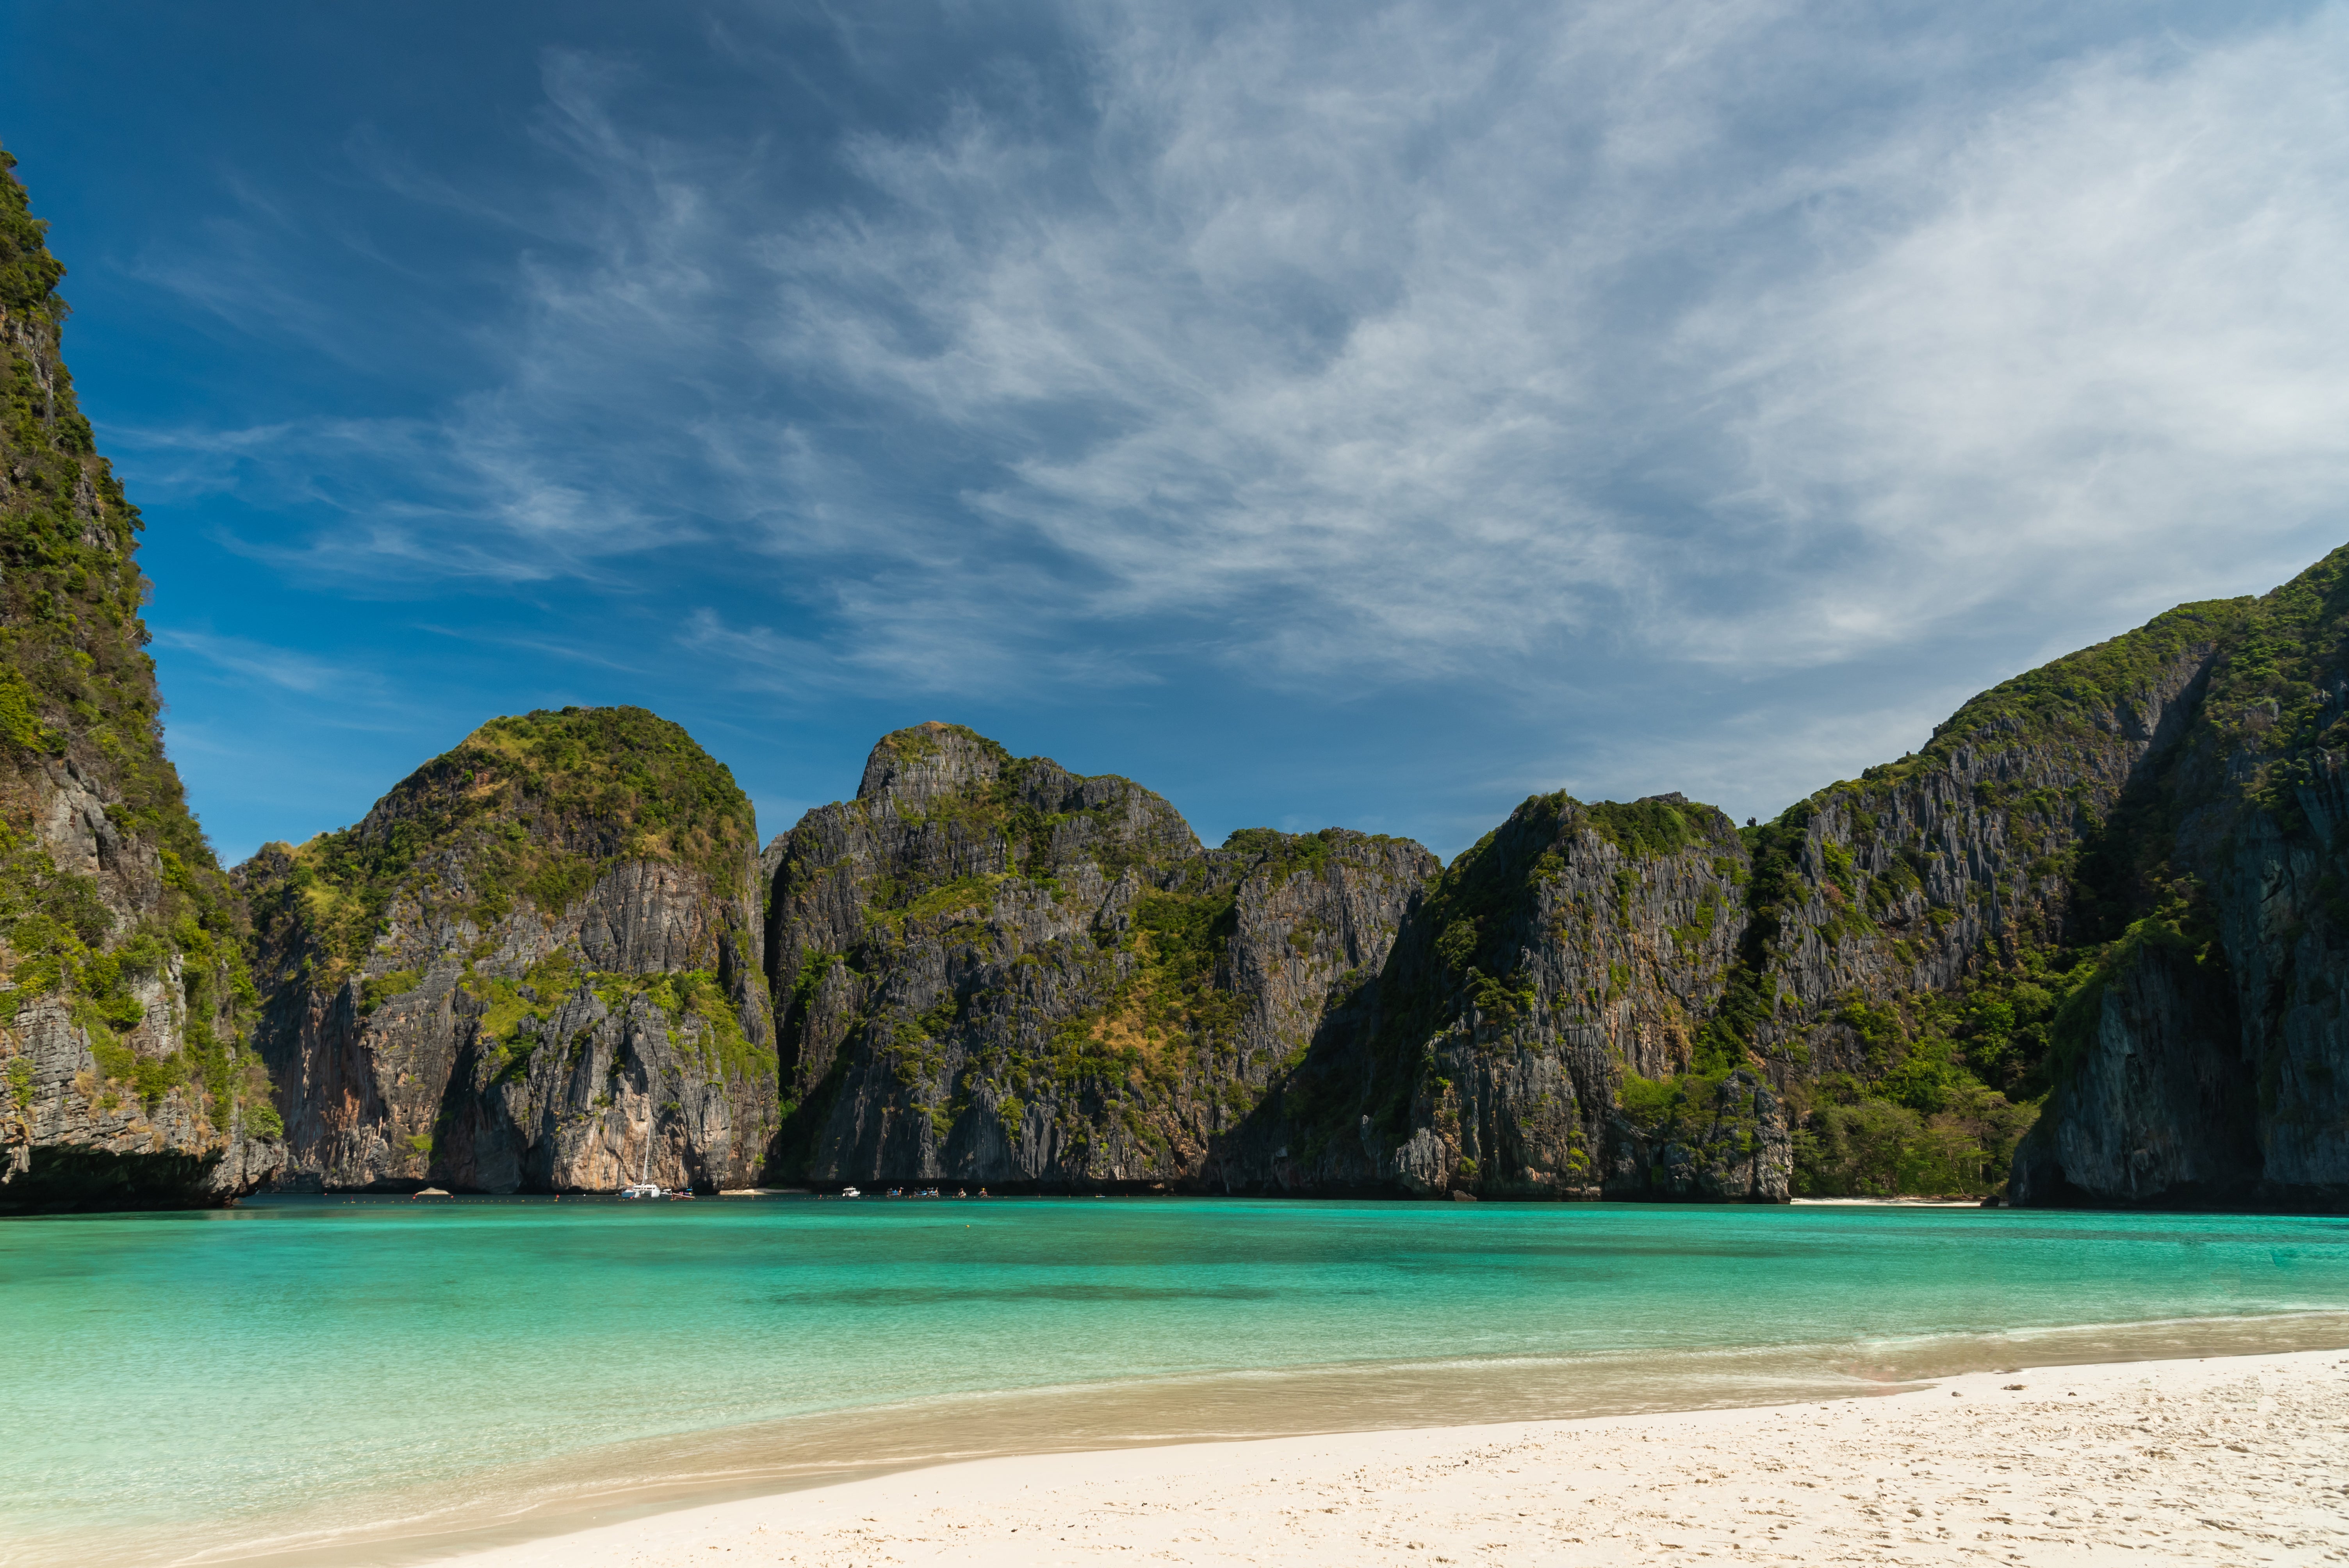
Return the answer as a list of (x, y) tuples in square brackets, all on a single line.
[(309, 1373)]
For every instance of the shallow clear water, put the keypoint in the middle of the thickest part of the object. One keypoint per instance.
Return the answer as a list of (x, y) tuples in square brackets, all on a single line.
[(330, 1373)]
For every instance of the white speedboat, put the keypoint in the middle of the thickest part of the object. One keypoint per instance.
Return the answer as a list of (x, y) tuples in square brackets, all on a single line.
[(642, 1190), (850, 1192)]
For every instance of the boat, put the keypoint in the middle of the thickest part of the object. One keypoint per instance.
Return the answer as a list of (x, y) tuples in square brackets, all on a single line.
[(850, 1192), (642, 1186)]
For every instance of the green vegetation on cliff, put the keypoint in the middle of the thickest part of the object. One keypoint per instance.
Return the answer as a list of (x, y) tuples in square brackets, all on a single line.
[(79, 699), (534, 808), (1045, 815), (2070, 695), (2082, 870)]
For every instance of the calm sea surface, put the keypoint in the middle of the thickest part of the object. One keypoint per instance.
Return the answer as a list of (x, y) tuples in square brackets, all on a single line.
[(383, 1380)]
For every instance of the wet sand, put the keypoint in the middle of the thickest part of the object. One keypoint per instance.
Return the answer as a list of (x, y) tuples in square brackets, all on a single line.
[(2239, 1458)]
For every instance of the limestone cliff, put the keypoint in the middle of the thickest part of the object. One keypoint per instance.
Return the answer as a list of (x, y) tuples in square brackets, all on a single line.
[(1570, 957), (2204, 1058), (2111, 887), (990, 970), (124, 1079), (2094, 933), (535, 965), (1910, 935)]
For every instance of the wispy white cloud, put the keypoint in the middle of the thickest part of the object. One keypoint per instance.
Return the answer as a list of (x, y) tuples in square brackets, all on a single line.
[(284, 668), (1526, 346), (2106, 335)]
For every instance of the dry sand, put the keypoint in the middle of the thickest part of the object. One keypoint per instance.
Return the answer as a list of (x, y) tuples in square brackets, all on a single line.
[(2236, 1459)]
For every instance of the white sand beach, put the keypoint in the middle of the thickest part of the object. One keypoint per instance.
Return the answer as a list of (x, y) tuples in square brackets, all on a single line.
[(2230, 1460)]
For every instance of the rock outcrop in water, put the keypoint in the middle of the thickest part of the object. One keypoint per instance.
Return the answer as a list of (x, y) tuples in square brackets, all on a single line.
[(2112, 888), (535, 965), (990, 970), (2204, 1056), (122, 987)]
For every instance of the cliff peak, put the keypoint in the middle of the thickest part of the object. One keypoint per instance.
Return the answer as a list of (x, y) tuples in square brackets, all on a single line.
[(535, 807), (538, 956), (913, 767)]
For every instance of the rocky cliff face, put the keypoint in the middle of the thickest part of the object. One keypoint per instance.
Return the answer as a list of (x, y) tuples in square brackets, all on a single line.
[(534, 967), (124, 1080), (1574, 951), (990, 970), (2204, 1058), (2096, 932), (2111, 887)]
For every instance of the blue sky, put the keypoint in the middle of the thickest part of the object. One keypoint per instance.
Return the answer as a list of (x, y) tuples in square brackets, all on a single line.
[(1323, 414)]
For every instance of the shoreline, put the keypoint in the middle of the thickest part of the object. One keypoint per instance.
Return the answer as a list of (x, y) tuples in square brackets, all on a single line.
[(2180, 1460), (776, 1512)]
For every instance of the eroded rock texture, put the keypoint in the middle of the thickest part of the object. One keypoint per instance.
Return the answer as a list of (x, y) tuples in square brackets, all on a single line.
[(534, 967), (990, 970), (123, 1082), (2206, 1059), (2110, 889), (1572, 948)]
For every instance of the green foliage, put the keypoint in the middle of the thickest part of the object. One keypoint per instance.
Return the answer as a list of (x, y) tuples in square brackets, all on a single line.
[(1499, 999), (1644, 830), (1688, 938), (533, 809), (1181, 939), (28, 273), (2071, 696), (916, 742), (53, 923), (1004, 806), (1188, 934), (1858, 1144), (1938, 1110), (76, 681), (1670, 1105), (1880, 1030), (1284, 855), (377, 989), (695, 997), (947, 899), (812, 969), (20, 722)]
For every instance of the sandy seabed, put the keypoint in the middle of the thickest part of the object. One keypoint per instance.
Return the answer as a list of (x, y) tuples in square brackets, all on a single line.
[(2231, 1459)]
